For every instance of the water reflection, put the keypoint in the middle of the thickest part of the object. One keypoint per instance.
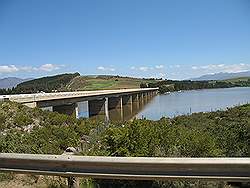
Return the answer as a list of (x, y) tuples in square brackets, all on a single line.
[(179, 103)]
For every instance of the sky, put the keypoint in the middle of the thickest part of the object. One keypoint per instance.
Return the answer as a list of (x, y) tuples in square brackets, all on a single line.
[(171, 39)]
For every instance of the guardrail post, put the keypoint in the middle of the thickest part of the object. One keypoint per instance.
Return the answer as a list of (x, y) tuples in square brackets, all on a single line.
[(72, 181)]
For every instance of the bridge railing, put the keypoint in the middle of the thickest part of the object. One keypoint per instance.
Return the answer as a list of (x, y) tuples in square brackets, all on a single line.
[(134, 168)]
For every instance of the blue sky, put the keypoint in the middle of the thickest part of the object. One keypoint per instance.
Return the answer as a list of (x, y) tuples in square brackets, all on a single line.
[(174, 39)]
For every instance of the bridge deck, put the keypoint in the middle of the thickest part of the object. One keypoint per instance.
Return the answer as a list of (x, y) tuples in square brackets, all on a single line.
[(24, 98)]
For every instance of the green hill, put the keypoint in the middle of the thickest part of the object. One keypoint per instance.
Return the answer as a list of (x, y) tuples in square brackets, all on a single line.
[(46, 84), (105, 82), (75, 82), (239, 79)]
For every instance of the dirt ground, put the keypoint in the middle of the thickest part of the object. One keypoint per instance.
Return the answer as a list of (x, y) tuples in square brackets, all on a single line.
[(33, 181)]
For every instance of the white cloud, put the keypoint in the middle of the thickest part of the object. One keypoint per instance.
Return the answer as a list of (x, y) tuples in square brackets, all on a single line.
[(159, 66), (8, 69), (144, 68), (101, 68), (194, 67), (49, 67), (132, 68), (28, 69), (174, 66), (13, 68), (215, 68), (221, 65), (147, 68)]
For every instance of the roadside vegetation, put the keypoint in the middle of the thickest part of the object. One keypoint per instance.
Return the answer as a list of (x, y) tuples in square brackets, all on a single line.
[(213, 134)]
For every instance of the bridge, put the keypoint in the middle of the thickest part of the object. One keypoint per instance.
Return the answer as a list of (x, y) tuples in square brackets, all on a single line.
[(93, 102)]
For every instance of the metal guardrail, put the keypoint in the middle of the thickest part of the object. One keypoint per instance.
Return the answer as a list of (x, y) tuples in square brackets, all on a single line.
[(134, 168)]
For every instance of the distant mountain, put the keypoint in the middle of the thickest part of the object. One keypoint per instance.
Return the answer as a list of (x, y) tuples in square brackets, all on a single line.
[(10, 82), (222, 76)]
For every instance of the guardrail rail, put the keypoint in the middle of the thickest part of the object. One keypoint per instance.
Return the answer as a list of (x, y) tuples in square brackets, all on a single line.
[(134, 168)]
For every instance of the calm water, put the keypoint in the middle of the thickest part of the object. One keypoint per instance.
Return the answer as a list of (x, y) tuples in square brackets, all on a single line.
[(178, 103)]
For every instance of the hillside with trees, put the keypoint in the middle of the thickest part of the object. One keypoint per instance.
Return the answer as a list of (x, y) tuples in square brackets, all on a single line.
[(176, 85), (213, 134), (75, 82), (46, 84)]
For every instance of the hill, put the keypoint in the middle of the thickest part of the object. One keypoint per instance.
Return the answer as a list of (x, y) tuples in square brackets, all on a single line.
[(75, 82), (176, 85), (11, 82), (239, 79), (46, 84), (222, 76), (105, 82)]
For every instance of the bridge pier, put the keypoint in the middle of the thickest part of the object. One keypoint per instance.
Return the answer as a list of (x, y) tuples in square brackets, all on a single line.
[(136, 103), (96, 107), (115, 107), (115, 103), (141, 99), (99, 108), (127, 102), (106, 109), (69, 109)]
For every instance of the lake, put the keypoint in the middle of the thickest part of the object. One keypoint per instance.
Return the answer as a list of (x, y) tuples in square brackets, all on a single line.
[(185, 102)]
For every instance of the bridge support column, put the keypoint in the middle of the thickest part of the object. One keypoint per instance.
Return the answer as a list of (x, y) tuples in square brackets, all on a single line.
[(77, 110), (69, 109), (99, 108), (96, 107), (140, 98), (136, 101), (127, 102), (115, 104), (106, 109), (144, 98), (149, 95), (127, 99)]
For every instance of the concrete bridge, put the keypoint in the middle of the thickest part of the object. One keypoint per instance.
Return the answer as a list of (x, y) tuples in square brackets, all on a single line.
[(93, 102)]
